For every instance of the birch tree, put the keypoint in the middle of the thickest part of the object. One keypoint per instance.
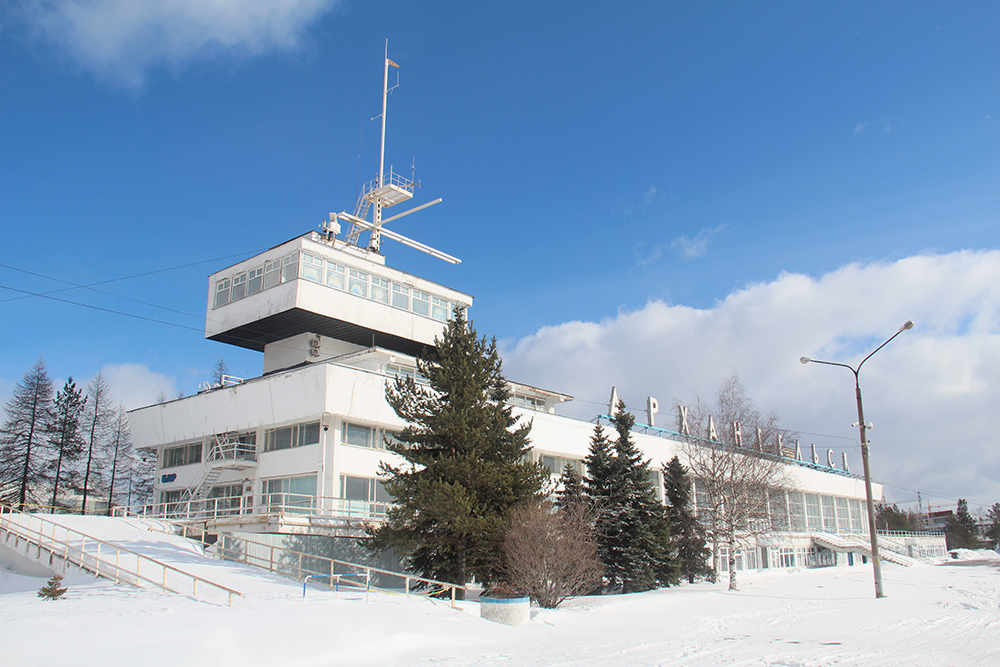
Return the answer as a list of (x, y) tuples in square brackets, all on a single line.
[(97, 419), (733, 453)]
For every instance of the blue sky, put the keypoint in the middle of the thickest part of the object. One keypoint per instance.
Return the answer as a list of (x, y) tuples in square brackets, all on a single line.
[(646, 195)]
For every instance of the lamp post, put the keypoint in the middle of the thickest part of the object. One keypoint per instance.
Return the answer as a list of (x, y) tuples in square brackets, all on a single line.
[(876, 562)]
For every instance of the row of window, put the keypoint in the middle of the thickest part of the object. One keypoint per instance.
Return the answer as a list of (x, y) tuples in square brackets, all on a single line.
[(181, 455), (798, 511), (337, 276), (360, 435), (287, 437)]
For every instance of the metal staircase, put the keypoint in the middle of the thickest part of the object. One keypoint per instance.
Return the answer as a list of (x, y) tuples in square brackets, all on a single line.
[(861, 544)]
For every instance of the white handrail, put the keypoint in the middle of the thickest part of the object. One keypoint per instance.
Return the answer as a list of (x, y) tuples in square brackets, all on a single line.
[(70, 553)]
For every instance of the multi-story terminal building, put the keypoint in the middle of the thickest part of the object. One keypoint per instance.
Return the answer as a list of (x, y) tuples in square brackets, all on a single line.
[(297, 450)]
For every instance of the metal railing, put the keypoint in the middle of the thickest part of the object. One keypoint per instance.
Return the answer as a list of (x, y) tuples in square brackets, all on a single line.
[(233, 451), (102, 559), (303, 566), (271, 506)]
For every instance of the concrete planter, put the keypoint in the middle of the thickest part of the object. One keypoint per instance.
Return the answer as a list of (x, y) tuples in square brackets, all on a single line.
[(509, 611)]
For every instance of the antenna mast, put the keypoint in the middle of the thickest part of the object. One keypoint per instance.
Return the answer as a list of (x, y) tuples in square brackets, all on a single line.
[(387, 190)]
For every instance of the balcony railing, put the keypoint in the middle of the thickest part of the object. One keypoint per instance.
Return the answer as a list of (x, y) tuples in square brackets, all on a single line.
[(269, 506)]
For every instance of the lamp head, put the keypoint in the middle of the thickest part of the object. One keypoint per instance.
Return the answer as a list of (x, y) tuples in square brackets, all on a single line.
[(805, 360), (908, 324)]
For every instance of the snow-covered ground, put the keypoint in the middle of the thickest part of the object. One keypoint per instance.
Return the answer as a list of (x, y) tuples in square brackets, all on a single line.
[(934, 615)]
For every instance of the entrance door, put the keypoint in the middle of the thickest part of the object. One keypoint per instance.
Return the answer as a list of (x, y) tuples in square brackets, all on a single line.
[(765, 562)]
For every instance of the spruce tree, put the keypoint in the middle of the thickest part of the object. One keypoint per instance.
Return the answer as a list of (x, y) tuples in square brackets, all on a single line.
[(631, 529), (960, 533), (52, 590), (465, 464), (572, 492), (993, 527), (688, 534), (65, 439), (23, 438)]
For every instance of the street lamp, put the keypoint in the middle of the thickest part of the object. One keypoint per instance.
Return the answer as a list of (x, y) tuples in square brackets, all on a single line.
[(876, 562)]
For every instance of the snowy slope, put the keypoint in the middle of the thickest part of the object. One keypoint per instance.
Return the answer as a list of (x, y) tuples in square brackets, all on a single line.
[(933, 615)]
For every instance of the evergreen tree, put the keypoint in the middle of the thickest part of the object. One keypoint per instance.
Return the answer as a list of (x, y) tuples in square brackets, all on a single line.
[(960, 533), (65, 439), (465, 461), (571, 491), (993, 526), (23, 438), (52, 590), (630, 521), (693, 553)]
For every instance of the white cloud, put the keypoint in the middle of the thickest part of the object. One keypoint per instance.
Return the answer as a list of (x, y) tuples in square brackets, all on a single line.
[(697, 246), (122, 40), (134, 385), (931, 393), (647, 198)]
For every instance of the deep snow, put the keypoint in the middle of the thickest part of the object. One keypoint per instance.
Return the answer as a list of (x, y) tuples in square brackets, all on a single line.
[(937, 616)]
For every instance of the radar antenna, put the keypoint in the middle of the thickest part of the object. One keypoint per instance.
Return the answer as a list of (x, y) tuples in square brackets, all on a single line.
[(387, 190)]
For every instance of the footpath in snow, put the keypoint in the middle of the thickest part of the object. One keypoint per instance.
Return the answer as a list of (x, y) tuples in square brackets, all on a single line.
[(936, 616)]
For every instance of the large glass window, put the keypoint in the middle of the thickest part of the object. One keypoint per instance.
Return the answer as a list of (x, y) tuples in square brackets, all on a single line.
[(225, 499), (290, 266), (290, 495), (357, 282), (814, 517), (335, 275), (295, 435), (380, 289), (272, 273), (371, 437), (829, 514), (239, 287), (182, 455), (843, 515), (421, 303), (222, 292), (857, 524), (361, 492), (439, 309), (312, 267), (555, 464), (401, 296), (255, 280), (796, 511)]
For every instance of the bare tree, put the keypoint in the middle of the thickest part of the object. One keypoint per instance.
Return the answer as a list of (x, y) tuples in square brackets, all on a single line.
[(219, 371), (23, 437), (551, 554), (97, 419), (733, 453), (119, 450)]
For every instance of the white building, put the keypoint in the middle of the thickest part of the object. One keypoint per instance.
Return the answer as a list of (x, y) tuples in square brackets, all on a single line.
[(297, 450)]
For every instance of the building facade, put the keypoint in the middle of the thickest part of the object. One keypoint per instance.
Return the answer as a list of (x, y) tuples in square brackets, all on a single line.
[(297, 450)]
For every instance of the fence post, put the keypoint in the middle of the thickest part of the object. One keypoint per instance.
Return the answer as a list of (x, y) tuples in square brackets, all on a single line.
[(97, 563)]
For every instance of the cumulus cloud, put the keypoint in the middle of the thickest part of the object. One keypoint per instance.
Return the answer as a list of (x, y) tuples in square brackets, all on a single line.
[(134, 385), (122, 40), (931, 393)]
